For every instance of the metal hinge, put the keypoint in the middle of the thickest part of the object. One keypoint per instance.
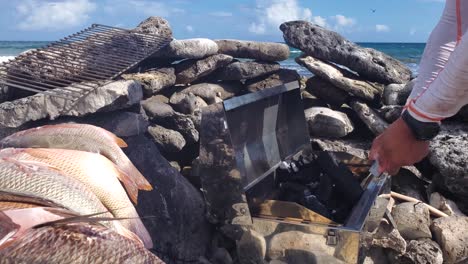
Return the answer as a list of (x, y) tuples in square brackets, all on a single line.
[(331, 238)]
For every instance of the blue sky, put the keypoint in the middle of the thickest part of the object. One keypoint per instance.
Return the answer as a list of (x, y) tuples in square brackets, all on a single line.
[(393, 20)]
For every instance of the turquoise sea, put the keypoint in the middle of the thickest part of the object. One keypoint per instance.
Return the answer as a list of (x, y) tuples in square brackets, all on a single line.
[(408, 53)]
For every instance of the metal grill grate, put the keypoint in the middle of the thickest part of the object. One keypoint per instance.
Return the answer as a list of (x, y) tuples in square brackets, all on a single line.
[(80, 62)]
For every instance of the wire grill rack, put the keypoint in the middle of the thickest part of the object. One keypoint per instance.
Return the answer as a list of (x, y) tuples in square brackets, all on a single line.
[(81, 62)]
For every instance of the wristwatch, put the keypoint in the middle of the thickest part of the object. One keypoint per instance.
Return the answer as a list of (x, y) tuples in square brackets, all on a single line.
[(421, 130)]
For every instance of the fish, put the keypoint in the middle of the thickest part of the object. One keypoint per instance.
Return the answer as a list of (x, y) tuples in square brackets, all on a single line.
[(33, 182), (41, 241), (82, 137), (6, 205), (97, 173)]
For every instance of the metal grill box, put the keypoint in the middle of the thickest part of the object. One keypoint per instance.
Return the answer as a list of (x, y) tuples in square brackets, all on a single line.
[(245, 145)]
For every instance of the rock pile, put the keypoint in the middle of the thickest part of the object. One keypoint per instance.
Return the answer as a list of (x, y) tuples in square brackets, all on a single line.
[(354, 94)]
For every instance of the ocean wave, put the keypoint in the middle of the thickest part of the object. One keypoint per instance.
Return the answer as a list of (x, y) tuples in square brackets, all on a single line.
[(6, 58)]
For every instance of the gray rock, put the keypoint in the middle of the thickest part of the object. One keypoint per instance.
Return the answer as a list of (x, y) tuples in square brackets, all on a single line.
[(190, 70), (397, 93), (386, 236), (324, 122), (221, 256), (228, 89), (196, 48), (176, 165), (262, 51), (330, 46), (278, 78), (186, 103), (353, 147), (391, 112), (412, 220), (110, 97), (153, 81), (155, 109), (422, 251), (445, 205), (342, 78), (241, 70), (309, 100), (251, 248), (327, 92), (449, 156), (155, 26), (184, 125), (205, 91), (376, 255), (121, 123), (452, 235), (177, 234), (167, 140), (370, 117)]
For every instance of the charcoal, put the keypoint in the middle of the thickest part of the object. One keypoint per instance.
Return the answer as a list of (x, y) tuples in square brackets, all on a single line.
[(342, 177), (312, 202)]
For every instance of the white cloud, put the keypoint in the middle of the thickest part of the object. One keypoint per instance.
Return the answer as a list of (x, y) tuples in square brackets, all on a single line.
[(221, 14), (342, 21), (412, 31), (47, 15), (320, 21), (146, 7), (382, 28), (271, 14), (257, 28), (189, 28)]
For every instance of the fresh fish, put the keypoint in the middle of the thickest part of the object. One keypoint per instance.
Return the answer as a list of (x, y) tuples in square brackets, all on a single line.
[(95, 171), (80, 137), (66, 243), (31, 182), (6, 205)]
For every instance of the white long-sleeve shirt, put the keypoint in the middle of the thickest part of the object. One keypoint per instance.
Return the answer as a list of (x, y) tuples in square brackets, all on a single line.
[(441, 88)]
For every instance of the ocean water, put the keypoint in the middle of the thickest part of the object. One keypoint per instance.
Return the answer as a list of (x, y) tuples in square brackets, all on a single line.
[(408, 53)]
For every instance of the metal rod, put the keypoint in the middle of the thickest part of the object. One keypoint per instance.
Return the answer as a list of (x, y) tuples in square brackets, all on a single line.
[(49, 92), (8, 77)]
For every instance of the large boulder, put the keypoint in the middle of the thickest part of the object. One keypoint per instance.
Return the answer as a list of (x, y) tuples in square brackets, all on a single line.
[(262, 51), (190, 70), (167, 140), (277, 78), (327, 92), (184, 125), (412, 220), (153, 81), (155, 26), (241, 70), (197, 48), (452, 235), (327, 45), (422, 250), (110, 97), (342, 78), (324, 122), (205, 91), (448, 154), (174, 211)]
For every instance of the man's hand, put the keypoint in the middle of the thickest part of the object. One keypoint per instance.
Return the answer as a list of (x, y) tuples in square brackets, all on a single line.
[(397, 147)]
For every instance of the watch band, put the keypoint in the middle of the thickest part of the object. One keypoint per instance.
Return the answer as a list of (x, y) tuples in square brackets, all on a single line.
[(421, 130)]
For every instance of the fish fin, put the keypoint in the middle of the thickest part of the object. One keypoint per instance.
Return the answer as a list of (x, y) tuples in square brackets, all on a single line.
[(137, 227), (31, 165), (120, 142), (127, 233), (129, 185), (7, 228), (128, 168)]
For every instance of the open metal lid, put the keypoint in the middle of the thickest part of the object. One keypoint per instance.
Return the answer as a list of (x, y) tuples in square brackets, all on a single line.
[(266, 128)]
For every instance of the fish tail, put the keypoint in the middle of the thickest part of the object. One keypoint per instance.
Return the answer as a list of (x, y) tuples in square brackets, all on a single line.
[(128, 168), (129, 185)]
